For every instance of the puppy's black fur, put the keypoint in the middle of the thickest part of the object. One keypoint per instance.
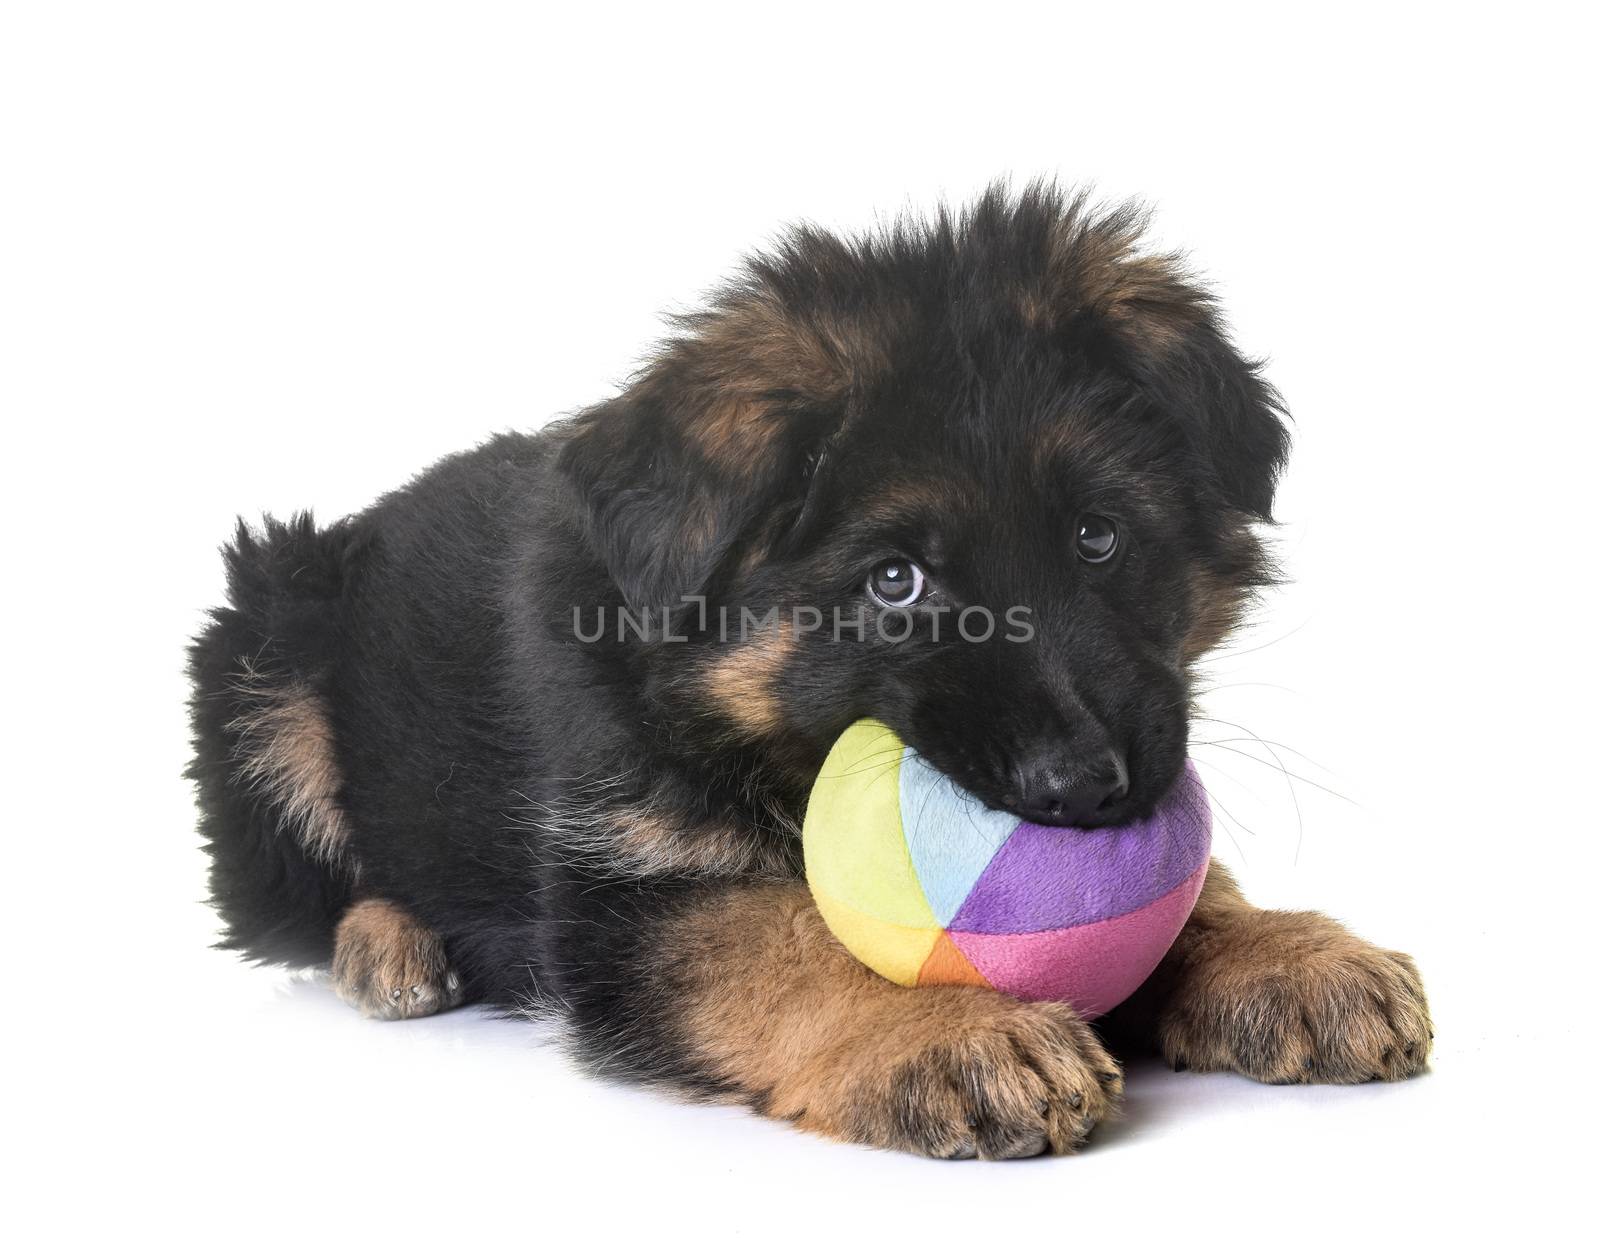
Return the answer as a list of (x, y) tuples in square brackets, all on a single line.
[(398, 706)]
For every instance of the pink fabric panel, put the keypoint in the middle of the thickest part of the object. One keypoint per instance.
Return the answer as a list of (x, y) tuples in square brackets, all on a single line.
[(1093, 967)]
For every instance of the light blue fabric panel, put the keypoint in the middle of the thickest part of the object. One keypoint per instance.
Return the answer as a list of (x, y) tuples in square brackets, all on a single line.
[(951, 836)]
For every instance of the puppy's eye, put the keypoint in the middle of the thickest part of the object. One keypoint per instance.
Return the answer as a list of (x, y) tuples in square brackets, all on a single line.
[(1097, 538), (897, 582)]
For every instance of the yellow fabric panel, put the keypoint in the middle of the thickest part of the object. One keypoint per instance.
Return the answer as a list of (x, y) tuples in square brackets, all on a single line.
[(894, 951), (855, 847)]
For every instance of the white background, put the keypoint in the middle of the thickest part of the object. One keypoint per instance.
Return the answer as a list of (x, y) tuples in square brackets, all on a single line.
[(264, 257)]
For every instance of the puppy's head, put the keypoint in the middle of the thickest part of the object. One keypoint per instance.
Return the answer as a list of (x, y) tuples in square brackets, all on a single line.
[(990, 479)]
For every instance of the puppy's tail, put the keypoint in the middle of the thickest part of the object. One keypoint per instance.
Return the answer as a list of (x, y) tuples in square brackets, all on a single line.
[(265, 766)]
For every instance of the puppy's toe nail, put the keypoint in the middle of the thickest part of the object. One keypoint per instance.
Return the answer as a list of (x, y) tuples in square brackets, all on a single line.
[(1110, 1076), (394, 995), (1034, 1146), (1178, 1064), (1075, 1101), (452, 982)]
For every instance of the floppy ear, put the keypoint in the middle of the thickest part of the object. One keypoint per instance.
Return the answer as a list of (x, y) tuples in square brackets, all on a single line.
[(1164, 326), (1234, 418), (668, 492), (713, 446)]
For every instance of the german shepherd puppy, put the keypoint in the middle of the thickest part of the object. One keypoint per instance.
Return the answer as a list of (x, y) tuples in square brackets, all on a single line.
[(496, 739)]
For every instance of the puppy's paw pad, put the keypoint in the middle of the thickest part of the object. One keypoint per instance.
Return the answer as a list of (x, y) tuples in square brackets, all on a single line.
[(1027, 1080), (1299, 999), (388, 966)]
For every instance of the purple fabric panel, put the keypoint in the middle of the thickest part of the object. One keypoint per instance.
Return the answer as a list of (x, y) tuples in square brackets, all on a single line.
[(1049, 877), (1091, 967)]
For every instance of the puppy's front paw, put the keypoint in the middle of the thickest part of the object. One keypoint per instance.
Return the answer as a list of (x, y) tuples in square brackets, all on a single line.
[(388, 966), (1294, 997), (978, 1076)]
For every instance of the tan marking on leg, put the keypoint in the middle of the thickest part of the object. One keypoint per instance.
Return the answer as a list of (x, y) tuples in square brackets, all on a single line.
[(388, 966), (1288, 996), (656, 845), (644, 842), (286, 750), (608, 824), (768, 1001)]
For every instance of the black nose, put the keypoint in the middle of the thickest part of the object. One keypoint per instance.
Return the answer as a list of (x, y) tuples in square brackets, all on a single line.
[(1051, 791)]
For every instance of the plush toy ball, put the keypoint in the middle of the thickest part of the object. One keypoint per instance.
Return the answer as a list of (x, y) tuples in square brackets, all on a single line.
[(925, 885)]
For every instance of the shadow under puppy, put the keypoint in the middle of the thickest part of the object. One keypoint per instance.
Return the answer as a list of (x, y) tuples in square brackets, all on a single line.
[(417, 762)]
